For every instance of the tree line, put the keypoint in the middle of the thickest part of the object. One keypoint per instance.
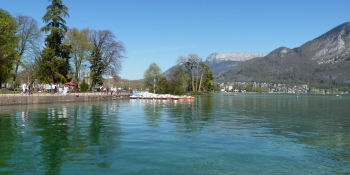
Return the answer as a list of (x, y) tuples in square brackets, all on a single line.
[(66, 55), (190, 75)]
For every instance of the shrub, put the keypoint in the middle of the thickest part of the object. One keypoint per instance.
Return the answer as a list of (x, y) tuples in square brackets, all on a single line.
[(84, 86)]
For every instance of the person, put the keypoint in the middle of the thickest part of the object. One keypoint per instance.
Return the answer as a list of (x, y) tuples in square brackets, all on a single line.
[(28, 90), (24, 86)]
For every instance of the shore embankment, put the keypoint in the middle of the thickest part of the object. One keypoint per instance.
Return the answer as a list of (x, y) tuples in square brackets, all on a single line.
[(21, 99)]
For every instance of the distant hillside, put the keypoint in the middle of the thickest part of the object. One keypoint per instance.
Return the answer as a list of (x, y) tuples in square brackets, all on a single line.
[(323, 62), (223, 62)]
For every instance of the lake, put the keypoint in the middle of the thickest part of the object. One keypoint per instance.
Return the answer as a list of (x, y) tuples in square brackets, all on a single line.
[(213, 134)]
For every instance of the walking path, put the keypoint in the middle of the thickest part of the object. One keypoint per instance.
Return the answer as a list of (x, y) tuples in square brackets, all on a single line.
[(13, 99)]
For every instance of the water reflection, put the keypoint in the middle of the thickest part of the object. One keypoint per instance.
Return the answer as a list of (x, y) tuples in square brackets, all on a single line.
[(53, 130), (43, 138), (188, 115), (153, 110)]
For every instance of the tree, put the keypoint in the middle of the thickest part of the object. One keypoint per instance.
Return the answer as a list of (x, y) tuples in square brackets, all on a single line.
[(81, 47), (31, 66), (29, 37), (190, 62), (8, 40), (84, 86), (152, 76), (55, 55), (112, 51), (97, 67), (248, 88), (177, 80), (206, 78), (162, 85)]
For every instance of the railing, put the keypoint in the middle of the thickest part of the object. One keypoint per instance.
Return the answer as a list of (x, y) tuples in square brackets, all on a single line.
[(6, 92), (8, 97)]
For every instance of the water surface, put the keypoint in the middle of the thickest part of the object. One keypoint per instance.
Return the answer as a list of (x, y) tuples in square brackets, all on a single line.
[(214, 134)]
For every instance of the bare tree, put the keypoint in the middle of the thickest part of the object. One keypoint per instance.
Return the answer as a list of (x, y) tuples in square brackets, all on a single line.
[(113, 52), (190, 62), (29, 36), (106, 56), (31, 67)]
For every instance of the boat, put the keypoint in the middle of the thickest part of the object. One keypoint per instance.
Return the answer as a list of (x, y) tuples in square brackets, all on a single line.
[(135, 96), (185, 97), (147, 95), (229, 94)]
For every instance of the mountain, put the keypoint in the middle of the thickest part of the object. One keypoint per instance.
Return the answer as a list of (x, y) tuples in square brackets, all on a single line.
[(222, 62), (323, 62)]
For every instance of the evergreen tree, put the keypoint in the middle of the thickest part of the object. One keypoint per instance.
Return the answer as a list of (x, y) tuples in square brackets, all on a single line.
[(57, 65), (84, 86), (96, 67), (208, 82)]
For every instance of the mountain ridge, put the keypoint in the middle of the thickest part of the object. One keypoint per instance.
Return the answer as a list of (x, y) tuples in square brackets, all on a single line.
[(322, 62), (221, 62)]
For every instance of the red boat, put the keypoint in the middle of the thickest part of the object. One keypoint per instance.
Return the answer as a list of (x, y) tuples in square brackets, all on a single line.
[(185, 97)]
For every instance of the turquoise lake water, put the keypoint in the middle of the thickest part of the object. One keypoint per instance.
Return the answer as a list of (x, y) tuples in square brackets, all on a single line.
[(213, 134)]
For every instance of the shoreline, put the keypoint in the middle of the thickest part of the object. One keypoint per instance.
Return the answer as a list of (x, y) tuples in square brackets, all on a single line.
[(45, 98)]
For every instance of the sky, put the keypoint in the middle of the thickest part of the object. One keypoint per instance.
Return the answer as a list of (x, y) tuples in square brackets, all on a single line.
[(159, 31)]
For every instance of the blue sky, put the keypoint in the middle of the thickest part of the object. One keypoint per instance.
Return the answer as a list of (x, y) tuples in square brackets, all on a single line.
[(161, 30)]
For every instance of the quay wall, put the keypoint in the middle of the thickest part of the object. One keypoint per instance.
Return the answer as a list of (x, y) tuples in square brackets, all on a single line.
[(38, 99)]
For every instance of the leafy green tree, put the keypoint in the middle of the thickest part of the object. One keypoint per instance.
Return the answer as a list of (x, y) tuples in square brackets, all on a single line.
[(249, 88), (8, 41), (178, 80), (55, 55), (81, 47), (162, 85), (152, 76)]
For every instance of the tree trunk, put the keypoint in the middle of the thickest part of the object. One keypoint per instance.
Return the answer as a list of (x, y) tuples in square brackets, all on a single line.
[(52, 79), (76, 77), (192, 79), (200, 82)]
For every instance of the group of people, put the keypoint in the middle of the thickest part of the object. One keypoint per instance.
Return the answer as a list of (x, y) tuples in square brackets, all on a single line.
[(108, 90), (26, 89)]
